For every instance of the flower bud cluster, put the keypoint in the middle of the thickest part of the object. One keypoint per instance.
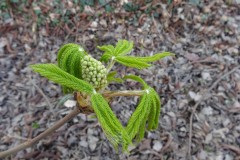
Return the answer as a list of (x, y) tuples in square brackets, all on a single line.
[(94, 72)]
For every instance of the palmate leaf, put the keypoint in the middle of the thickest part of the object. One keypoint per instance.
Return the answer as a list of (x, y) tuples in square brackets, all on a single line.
[(57, 75), (154, 111), (136, 78), (155, 57), (68, 58), (112, 127), (158, 109), (62, 50), (123, 47), (132, 62), (147, 112), (108, 52), (141, 62), (137, 121), (111, 77)]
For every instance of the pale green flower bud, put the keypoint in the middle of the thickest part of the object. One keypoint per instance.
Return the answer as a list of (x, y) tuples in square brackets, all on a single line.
[(94, 72)]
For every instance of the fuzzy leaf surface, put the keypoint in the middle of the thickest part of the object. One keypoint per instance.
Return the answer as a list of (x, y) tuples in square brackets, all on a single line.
[(57, 75), (155, 57), (111, 77), (112, 127), (108, 52), (136, 78), (147, 112), (123, 47), (135, 122), (69, 56), (131, 61)]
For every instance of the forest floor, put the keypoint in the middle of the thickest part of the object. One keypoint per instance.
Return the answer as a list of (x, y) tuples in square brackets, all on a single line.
[(199, 87)]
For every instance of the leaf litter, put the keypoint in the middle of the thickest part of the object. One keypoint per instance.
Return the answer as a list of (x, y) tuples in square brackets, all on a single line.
[(205, 38)]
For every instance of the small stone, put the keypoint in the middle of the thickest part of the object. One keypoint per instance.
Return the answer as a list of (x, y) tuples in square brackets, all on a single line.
[(182, 132), (70, 103), (228, 157), (157, 145), (83, 144), (206, 76), (94, 24), (194, 96), (103, 22), (226, 122), (208, 138), (207, 111), (92, 142)]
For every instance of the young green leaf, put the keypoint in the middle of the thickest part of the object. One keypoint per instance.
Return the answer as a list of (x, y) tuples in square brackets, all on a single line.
[(111, 125), (111, 77), (147, 111), (155, 57), (153, 105), (62, 50), (154, 109), (123, 47), (108, 52), (132, 62), (158, 108), (141, 62), (55, 74), (105, 57), (69, 57), (134, 126), (136, 78)]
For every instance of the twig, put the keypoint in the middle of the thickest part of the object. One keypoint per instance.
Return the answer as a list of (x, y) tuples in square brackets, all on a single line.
[(17, 137), (168, 143), (47, 132), (232, 148), (41, 92), (109, 94), (204, 97)]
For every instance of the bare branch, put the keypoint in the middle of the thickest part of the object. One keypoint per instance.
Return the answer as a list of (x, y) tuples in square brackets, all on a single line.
[(47, 132), (109, 94)]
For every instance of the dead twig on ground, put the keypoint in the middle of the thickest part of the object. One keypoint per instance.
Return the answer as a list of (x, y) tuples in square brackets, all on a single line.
[(47, 132), (44, 96), (204, 97), (168, 143), (232, 148)]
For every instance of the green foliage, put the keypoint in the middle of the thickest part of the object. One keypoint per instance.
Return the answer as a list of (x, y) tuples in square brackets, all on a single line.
[(124, 47), (35, 125), (112, 127), (148, 110), (55, 74), (132, 62), (136, 78), (78, 71), (111, 77), (68, 58)]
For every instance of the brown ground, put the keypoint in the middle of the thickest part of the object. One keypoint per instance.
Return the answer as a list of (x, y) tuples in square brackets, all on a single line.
[(205, 37)]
